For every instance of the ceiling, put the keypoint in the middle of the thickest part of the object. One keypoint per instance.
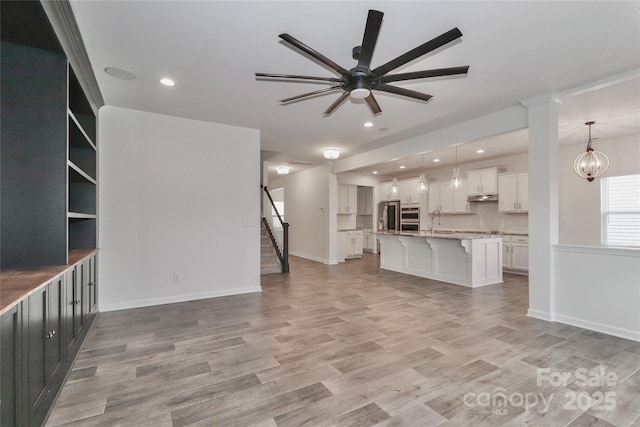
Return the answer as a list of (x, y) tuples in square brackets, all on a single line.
[(515, 50)]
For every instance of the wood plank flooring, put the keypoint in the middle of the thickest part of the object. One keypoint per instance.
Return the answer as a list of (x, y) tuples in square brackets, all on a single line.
[(348, 345)]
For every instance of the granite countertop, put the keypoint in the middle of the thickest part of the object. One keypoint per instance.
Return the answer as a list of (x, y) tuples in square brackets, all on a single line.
[(16, 285), (440, 235)]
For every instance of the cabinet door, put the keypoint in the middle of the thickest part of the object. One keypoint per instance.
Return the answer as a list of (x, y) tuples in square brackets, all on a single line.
[(53, 344), (352, 198), (523, 192), (383, 192), (507, 193), (71, 315), (358, 237), (489, 184), (520, 256), (93, 284), (446, 198), (474, 183), (342, 198), (506, 254), (368, 201), (405, 192), (36, 340), (434, 197), (460, 203), (11, 367)]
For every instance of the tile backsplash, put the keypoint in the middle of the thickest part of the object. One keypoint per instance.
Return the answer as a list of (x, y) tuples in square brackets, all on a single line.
[(485, 217)]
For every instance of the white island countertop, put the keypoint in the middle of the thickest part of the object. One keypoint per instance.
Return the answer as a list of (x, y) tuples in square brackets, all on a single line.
[(467, 259)]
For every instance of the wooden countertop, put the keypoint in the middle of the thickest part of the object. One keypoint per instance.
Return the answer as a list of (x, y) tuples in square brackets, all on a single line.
[(16, 285)]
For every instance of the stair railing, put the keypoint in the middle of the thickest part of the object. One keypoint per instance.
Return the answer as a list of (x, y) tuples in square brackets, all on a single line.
[(283, 254)]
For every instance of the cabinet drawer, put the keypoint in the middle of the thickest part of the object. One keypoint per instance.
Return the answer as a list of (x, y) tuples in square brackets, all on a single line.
[(520, 239)]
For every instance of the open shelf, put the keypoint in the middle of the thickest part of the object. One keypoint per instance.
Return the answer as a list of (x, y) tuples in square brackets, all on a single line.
[(80, 107), (77, 174), (82, 233), (82, 152)]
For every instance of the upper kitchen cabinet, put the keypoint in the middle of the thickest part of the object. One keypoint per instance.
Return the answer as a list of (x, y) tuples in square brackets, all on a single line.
[(513, 191), (482, 181), (48, 167), (409, 192), (347, 199), (448, 200)]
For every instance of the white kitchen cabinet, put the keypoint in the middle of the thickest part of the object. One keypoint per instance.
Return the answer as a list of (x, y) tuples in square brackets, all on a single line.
[(447, 200), (384, 192), (515, 253), (350, 244), (409, 192), (482, 181), (347, 199), (513, 193), (434, 197)]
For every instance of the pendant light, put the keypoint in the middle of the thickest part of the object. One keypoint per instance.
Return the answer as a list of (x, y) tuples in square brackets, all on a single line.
[(394, 181), (422, 184), (455, 180), (591, 164)]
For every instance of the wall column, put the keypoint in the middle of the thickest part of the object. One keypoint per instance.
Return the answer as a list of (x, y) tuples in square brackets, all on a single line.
[(543, 202)]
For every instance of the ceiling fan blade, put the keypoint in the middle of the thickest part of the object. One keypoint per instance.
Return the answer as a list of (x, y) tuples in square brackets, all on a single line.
[(404, 92), (315, 54), (373, 104), (424, 74), (295, 77), (308, 94), (371, 31), (423, 49), (336, 103)]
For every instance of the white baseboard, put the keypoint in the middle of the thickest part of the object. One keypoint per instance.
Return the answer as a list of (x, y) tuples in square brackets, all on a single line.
[(177, 298), (598, 327), (542, 315), (313, 258)]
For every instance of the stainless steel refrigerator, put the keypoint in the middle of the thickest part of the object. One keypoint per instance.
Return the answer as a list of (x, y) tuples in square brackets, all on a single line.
[(389, 216)]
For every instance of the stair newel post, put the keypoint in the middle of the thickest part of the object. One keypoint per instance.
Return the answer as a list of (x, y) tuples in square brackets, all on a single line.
[(285, 247)]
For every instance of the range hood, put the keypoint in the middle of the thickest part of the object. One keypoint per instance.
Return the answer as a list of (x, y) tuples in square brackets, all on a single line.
[(483, 198)]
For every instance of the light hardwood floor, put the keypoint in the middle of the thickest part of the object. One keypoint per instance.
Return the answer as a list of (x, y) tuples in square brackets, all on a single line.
[(347, 345)]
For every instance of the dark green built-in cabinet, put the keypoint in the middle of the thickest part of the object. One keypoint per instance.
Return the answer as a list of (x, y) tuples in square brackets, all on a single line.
[(48, 209)]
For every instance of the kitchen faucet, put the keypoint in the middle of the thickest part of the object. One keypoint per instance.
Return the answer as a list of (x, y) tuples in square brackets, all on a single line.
[(433, 214)]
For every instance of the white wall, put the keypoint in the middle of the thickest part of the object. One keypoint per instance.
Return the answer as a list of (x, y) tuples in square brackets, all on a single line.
[(598, 289), (174, 194), (311, 215), (580, 199)]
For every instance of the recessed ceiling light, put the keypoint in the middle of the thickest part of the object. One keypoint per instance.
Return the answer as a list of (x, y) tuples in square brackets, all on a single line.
[(375, 172), (282, 170), (120, 73), (436, 160), (331, 153), (402, 166), (368, 124), (167, 81), (384, 129), (480, 151)]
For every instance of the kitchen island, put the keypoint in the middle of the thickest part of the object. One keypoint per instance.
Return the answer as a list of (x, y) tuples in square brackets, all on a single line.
[(465, 259)]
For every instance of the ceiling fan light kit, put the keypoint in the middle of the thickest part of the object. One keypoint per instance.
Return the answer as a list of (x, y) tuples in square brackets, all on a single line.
[(360, 81)]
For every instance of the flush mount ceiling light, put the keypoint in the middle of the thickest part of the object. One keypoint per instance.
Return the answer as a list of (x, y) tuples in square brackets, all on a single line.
[(331, 153), (591, 164), (375, 172), (402, 166), (455, 180), (368, 124), (436, 160), (362, 80), (167, 81), (480, 151), (422, 184), (282, 170)]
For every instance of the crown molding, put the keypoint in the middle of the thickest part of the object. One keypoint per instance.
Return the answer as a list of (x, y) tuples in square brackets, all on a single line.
[(64, 24)]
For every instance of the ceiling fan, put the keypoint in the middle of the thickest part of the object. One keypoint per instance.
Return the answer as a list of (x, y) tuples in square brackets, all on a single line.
[(360, 81)]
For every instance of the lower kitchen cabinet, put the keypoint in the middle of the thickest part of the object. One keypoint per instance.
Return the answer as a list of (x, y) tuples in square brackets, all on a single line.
[(515, 250), (350, 244), (40, 337)]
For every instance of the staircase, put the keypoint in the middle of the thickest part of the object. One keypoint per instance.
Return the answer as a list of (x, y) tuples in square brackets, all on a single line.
[(269, 261)]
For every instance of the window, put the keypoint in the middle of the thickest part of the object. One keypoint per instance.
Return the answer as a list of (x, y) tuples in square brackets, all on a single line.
[(621, 210)]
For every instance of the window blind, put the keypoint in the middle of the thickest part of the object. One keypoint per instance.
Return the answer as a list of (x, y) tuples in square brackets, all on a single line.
[(621, 210)]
